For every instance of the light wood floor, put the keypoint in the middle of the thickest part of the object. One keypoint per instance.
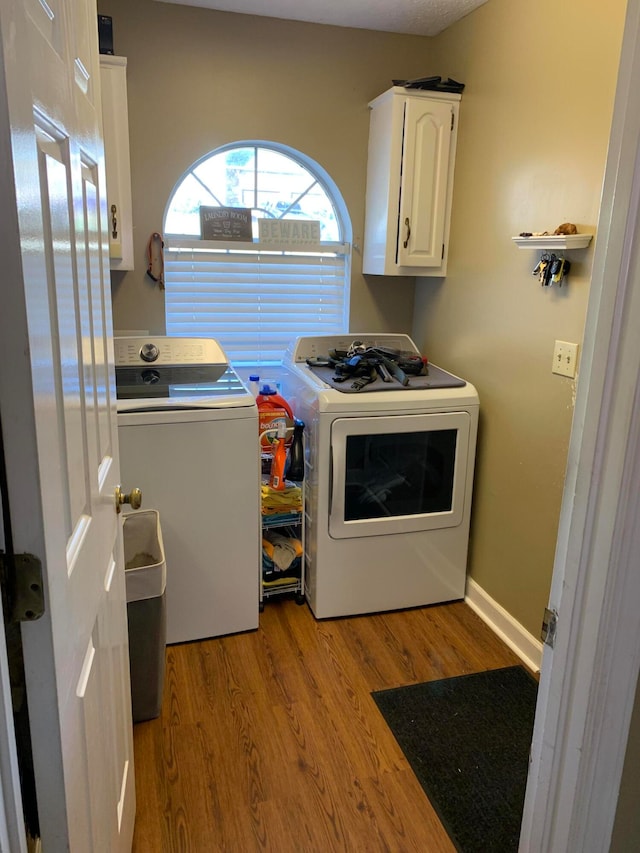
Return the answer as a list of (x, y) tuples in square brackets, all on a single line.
[(270, 740)]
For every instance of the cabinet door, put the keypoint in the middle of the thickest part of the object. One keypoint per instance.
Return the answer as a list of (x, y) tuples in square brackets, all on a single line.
[(113, 80), (425, 175)]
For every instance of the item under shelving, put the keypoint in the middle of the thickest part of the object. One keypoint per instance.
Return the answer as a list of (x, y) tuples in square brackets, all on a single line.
[(282, 567)]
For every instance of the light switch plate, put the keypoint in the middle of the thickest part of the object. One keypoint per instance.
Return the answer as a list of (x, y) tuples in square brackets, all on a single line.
[(565, 359)]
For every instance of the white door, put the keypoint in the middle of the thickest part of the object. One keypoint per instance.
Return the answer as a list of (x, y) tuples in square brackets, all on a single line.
[(58, 405), (588, 679)]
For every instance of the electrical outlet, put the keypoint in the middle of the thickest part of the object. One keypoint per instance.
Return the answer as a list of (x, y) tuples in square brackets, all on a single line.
[(565, 359)]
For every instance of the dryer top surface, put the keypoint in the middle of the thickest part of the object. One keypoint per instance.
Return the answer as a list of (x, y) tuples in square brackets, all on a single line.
[(420, 394)]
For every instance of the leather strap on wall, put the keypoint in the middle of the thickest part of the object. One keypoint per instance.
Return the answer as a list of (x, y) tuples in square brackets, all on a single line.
[(155, 259)]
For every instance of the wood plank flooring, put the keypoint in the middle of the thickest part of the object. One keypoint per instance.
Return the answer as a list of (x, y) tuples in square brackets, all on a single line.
[(270, 740)]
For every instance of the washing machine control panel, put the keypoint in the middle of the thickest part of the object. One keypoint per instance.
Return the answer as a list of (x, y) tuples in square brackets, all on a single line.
[(167, 351), (174, 372)]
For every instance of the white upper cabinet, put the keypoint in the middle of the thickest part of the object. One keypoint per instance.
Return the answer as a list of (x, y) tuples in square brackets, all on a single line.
[(113, 78), (412, 144)]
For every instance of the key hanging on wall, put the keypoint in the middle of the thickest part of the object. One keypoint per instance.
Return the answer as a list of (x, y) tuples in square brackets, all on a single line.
[(551, 269)]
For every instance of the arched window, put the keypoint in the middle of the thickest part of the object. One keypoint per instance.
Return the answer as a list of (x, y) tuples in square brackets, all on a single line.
[(257, 251)]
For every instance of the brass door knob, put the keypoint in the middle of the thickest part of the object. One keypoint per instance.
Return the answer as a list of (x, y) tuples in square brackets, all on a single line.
[(134, 498)]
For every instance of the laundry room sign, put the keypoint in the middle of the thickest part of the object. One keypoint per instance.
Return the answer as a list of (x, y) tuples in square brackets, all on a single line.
[(226, 223)]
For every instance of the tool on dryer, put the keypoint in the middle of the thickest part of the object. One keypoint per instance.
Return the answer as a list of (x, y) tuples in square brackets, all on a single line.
[(364, 365)]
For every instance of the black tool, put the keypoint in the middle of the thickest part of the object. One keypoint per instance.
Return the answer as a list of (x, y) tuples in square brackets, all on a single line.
[(384, 373), (395, 370), (321, 361)]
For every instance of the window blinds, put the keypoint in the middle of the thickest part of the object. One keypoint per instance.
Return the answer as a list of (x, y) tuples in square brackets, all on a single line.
[(253, 301)]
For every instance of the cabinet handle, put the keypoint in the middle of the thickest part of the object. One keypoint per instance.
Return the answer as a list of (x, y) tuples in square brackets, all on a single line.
[(407, 225), (114, 222)]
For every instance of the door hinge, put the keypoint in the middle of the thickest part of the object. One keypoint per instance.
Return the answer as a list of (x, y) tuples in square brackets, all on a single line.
[(442, 256), (25, 593), (549, 625), (453, 120)]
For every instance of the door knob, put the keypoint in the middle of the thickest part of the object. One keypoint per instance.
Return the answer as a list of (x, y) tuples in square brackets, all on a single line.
[(134, 498)]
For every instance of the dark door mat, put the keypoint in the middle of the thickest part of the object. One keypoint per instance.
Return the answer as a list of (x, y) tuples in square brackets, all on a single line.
[(467, 739)]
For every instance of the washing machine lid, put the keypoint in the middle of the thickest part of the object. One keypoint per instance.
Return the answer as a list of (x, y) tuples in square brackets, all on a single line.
[(180, 373)]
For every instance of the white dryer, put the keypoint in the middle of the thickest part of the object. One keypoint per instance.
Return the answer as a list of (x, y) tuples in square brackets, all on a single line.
[(188, 436), (389, 476)]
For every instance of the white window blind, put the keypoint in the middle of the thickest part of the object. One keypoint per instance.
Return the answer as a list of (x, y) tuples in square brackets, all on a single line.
[(254, 301)]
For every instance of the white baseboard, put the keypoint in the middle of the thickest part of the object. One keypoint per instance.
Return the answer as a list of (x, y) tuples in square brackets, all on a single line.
[(524, 644)]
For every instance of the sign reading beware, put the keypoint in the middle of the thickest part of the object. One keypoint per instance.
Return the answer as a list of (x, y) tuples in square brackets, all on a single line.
[(226, 223), (290, 232)]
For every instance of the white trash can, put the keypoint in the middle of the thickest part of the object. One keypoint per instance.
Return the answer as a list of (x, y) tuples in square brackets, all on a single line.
[(146, 578)]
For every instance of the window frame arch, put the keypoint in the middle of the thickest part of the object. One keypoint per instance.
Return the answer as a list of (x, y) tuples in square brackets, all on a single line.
[(207, 279), (322, 177)]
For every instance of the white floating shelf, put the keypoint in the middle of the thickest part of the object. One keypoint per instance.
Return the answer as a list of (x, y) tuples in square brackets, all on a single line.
[(554, 241)]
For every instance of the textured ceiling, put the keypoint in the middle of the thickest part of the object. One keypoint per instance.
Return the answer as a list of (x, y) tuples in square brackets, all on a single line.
[(417, 17)]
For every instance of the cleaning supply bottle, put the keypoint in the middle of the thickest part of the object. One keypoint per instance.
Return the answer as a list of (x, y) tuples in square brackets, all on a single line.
[(276, 480), (294, 468), (254, 384), (272, 409)]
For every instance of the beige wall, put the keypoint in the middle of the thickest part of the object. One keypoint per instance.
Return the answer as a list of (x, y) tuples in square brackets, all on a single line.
[(534, 127), (198, 79)]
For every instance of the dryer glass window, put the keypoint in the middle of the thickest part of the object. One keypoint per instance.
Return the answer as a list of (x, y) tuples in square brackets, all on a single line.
[(399, 474)]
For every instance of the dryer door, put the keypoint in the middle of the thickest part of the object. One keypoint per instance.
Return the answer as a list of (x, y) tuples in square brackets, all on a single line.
[(396, 474)]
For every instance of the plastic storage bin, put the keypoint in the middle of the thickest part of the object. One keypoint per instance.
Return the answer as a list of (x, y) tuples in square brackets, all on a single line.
[(146, 578)]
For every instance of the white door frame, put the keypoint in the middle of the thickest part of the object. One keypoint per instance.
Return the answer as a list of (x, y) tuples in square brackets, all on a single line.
[(588, 680)]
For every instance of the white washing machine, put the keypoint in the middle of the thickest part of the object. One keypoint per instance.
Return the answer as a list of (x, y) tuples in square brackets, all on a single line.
[(388, 478), (188, 436)]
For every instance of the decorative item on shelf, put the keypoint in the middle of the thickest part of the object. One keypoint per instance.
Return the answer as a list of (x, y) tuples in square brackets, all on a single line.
[(566, 228)]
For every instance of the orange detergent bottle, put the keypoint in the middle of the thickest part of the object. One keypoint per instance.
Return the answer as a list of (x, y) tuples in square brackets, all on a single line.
[(276, 480), (272, 410)]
